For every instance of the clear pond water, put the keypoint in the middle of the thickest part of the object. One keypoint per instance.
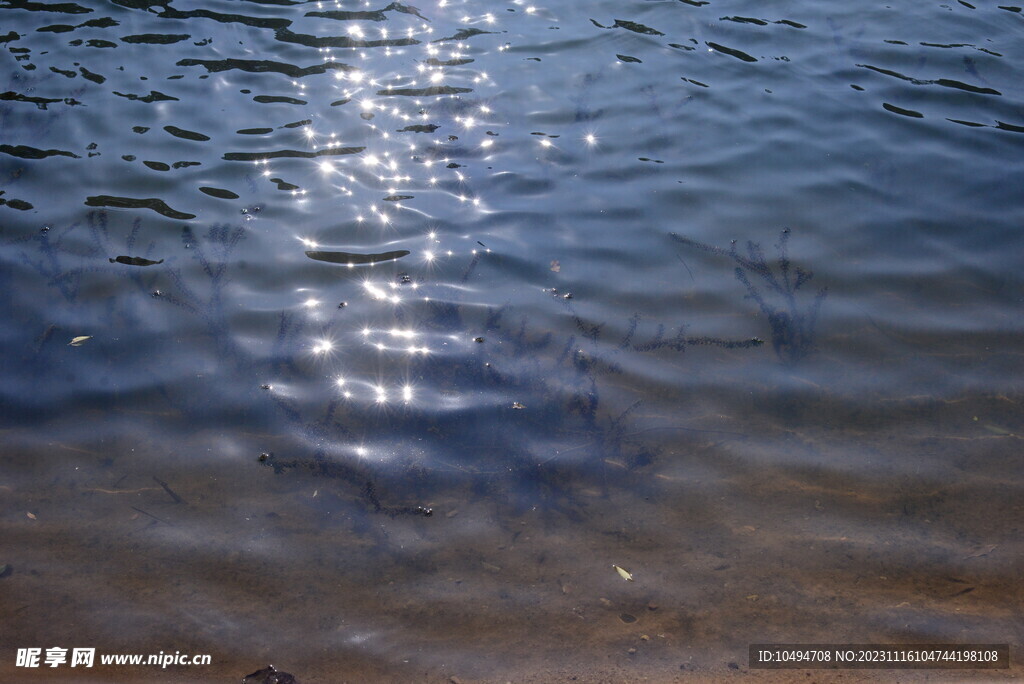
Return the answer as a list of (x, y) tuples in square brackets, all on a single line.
[(724, 293)]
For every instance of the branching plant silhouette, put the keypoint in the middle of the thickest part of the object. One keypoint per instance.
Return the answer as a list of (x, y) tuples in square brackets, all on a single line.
[(792, 325), (545, 430)]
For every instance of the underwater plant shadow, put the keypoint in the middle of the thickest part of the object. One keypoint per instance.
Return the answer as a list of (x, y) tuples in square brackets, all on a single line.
[(792, 326)]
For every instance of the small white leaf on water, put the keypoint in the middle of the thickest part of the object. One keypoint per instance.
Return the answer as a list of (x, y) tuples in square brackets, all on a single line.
[(77, 341), (623, 573)]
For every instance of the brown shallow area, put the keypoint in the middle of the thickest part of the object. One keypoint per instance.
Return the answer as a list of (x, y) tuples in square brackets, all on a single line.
[(730, 542)]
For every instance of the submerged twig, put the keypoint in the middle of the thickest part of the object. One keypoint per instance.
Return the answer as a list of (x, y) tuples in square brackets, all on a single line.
[(153, 516), (167, 488)]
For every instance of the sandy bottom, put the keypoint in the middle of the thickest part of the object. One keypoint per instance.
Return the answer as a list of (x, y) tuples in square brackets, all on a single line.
[(727, 546)]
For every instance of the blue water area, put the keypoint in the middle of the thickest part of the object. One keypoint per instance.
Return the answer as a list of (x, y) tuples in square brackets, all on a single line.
[(373, 340)]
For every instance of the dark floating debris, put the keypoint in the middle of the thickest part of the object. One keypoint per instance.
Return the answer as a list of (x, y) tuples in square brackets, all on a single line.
[(627, 58), (254, 131), (342, 305), (478, 340), (792, 327), (355, 258), (135, 261)]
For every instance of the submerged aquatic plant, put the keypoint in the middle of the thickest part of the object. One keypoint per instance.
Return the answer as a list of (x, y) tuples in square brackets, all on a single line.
[(792, 326)]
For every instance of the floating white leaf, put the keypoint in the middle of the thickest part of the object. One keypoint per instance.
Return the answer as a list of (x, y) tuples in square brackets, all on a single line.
[(78, 341), (623, 573)]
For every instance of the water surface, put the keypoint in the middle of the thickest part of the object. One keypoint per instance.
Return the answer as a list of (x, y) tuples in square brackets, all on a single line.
[(725, 294)]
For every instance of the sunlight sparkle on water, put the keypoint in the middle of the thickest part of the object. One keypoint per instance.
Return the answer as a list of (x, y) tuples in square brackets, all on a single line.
[(323, 346)]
